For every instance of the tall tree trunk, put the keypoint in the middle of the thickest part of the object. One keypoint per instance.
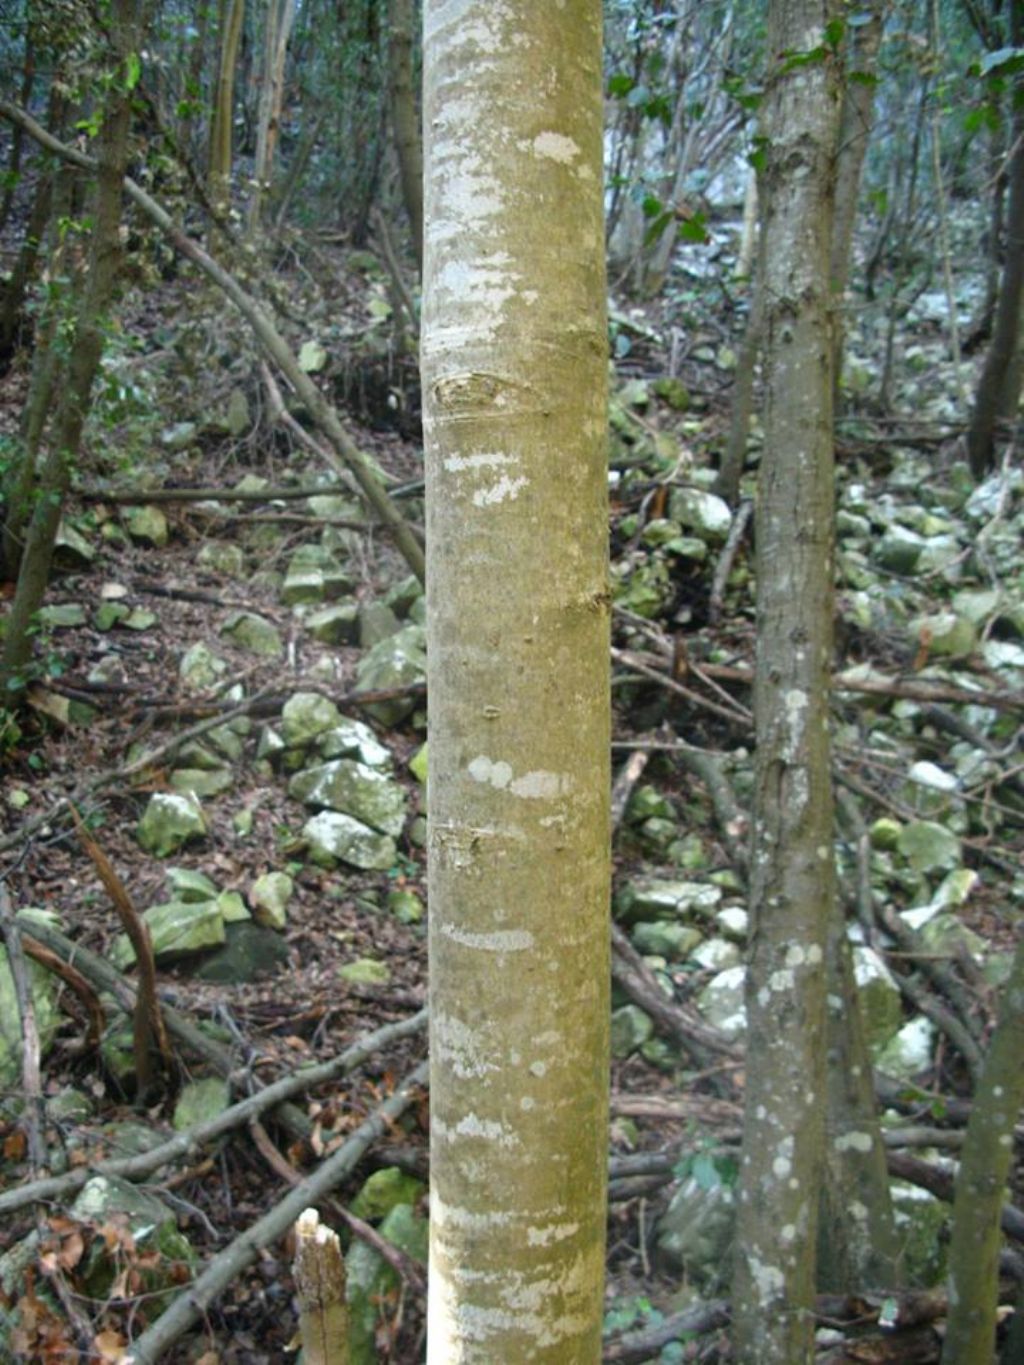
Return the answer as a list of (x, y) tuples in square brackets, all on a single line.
[(857, 1241), (981, 1185), (12, 309), (404, 119), (85, 352), (990, 397), (854, 135), (232, 17), (792, 872), (280, 17), (514, 359)]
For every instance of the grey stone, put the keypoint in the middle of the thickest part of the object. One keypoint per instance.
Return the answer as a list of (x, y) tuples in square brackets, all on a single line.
[(695, 1233), (675, 942), (179, 436), (402, 596), (170, 821), (147, 525), (929, 847), (71, 550), (376, 622), (944, 633), (333, 838), (43, 988), (384, 1190), (354, 739), (176, 929), (269, 896), (222, 557), (190, 886), (398, 661), (910, 1051), (335, 624), (654, 898), (249, 951), (200, 667), (631, 1028), (899, 550), (200, 1101), (717, 954), (305, 715), (202, 782), (353, 789), (253, 633), (704, 512), (721, 1002), (922, 1227), (371, 1282)]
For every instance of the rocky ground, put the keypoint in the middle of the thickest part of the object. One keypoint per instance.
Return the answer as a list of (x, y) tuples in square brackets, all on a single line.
[(231, 689)]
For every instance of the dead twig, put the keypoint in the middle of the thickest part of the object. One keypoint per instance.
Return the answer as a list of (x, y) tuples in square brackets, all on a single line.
[(225, 1267)]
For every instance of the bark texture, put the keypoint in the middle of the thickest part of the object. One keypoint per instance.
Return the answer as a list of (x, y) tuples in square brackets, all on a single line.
[(855, 133), (514, 359), (989, 399), (981, 1186), (404, 118), (792, 874), (85, 354)]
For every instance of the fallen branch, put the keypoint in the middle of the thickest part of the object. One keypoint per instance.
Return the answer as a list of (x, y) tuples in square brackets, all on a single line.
[(346, 456), (123, 774), (189, 1142), (76, 982), (189, 1307)]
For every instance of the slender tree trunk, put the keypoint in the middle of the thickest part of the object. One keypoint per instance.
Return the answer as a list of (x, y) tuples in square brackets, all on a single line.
[(981, 1185), (39, 216), (232, 22), (28, 73), (857, 1242), (19, 477), (734, 457), (514, 358), (280, 17), (85, 354), (999, 359), (404, 119), (792, 872), (854, 135)]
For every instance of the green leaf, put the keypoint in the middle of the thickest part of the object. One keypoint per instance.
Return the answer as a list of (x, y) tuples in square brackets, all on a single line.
[(834, 31), (651, 206), (133, 70), (657, 228), (620, 85), (1004, 57), (694, 229)]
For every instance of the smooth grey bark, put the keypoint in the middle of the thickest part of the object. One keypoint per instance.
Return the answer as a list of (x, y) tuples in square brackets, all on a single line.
[(792, 871), (514, 369)]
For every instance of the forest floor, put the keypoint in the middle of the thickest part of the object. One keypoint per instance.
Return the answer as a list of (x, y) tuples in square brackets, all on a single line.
[(105, 694)]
